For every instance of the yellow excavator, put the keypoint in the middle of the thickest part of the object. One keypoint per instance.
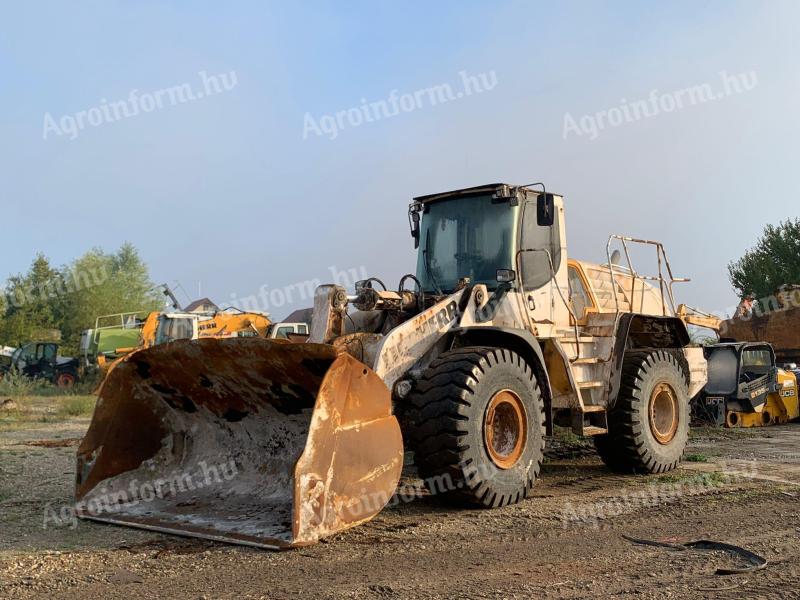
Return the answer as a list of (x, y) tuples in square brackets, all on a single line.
[(161, 328), (164, 327)]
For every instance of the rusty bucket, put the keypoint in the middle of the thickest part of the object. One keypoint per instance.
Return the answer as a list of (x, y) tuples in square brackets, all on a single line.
[(249, 441)]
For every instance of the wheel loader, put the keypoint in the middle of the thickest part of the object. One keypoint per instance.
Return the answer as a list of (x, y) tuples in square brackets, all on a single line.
[(745, 387), (496, 338)]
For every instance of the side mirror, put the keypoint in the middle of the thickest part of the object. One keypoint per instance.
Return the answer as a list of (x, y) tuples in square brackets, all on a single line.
[(413, 221), (506, 275), (545, 210)]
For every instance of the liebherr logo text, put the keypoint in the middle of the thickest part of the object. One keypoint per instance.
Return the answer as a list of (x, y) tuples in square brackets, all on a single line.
[(440, 318)]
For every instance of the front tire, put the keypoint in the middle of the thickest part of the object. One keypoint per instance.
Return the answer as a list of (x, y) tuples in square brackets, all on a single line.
[(648, 428), (476, 424)]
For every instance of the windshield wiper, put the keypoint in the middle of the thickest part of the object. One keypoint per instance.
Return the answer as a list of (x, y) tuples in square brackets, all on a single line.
[(428, 269)]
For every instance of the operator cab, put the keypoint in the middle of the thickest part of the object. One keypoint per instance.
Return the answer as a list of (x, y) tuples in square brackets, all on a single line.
[(175, 326), (741, 373), (477, 234)]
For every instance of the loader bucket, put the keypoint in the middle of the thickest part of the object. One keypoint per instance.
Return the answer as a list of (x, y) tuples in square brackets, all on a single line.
[(246, 440)]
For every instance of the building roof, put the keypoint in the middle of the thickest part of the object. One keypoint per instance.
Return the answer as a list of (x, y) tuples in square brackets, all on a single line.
[(193, 306)]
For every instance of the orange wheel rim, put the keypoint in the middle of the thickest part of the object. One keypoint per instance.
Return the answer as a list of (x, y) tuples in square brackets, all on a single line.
[(664, 413), (505, 429)]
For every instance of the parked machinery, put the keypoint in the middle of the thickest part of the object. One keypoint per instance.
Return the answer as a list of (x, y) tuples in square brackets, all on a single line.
[(745, 387), (41, 360)]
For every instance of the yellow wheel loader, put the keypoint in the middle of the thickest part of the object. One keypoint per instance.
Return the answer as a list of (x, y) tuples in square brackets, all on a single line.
[(745, 387), (501, 337)]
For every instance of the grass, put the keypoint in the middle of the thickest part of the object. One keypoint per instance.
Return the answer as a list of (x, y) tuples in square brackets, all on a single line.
[(567, 437), (77, 406), (17, 386), (713, 478), (33, 410), (698, 458)]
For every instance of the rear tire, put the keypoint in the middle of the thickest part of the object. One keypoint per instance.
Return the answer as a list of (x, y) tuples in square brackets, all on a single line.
[(648, 428), (65, 380), (475, 422)]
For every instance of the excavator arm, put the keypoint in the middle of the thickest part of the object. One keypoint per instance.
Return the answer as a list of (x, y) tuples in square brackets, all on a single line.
[(697, 317)]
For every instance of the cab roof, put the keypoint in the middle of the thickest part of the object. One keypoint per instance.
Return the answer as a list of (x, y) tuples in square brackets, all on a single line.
[(502, 190), (739, 346)]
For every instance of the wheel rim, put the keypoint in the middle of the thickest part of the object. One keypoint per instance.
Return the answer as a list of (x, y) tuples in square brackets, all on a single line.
[(664, 413), (505, 429), (65, 381)]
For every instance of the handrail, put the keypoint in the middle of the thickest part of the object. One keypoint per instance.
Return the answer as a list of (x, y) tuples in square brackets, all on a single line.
[(122, 318), (664, 285), (560, 293)]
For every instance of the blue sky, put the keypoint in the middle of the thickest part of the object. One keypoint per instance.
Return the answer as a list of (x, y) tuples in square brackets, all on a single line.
[(226, 192)]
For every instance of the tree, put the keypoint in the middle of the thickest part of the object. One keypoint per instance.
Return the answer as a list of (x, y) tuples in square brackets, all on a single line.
[(103, 284), (773, 262), (71, 298), (29, 308)]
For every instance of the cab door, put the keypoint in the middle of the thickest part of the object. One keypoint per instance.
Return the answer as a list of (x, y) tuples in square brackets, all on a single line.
[(758, 376), (542, 263), (40, 360)]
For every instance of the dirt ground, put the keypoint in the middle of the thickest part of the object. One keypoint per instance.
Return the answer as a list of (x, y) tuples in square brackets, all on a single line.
[(740, 487)]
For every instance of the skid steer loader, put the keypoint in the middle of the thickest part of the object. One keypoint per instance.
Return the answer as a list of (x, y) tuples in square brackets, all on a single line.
[(746, 388), (502, 337)]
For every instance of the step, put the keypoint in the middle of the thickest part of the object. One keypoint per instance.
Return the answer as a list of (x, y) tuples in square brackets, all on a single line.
[(584, 339), (590, 360), (587, 385), (592, 430), (591, 408)]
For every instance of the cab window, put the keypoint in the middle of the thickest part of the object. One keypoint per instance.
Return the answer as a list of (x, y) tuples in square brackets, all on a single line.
[(578, 294), (537, 243), (47, 352), (283, 332), (171, 329), (756, 363)]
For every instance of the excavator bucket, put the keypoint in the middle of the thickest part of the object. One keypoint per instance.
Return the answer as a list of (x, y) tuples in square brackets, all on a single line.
[(251, 441)]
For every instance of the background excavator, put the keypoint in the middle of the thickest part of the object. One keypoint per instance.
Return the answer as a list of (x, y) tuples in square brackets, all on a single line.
[(502, 337), (105, 344)]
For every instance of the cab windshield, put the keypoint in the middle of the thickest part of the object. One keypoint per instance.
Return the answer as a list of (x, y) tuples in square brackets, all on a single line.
[(464, 237), (174, 328)]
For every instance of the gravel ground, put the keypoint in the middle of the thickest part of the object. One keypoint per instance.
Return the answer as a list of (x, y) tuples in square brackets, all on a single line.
[(743, 487)]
